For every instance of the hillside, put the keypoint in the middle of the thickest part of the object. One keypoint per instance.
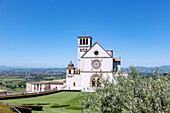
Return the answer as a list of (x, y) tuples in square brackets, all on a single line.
[(149, 70)]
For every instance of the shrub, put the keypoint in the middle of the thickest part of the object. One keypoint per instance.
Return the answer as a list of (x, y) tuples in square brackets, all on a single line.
[(54, 105), (33, 107), (35, 104), (58, 106), (133, 93), (4, 108), (22, 109), (36, 94), (73, 107), (28, 104), (43, 104), (29, 95)]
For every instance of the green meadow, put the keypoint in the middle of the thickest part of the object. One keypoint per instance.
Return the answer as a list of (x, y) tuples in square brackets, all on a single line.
[(62, 98), (13, 84)]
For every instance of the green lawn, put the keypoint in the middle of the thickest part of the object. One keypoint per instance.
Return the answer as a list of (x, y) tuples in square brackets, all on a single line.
[(2, 87), (71, 98), (19, 90)]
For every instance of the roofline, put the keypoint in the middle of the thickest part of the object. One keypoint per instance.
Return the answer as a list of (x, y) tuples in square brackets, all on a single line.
[(98, 57), (84, 36), (117, 59), (109, 50), (48, 82), (100, 46)]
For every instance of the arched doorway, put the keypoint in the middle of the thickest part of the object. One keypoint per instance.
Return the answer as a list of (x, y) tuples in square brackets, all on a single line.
[(98, 82), (95, 81)]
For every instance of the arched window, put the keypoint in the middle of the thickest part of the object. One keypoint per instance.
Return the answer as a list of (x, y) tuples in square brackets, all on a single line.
[(86, 41), (74, 84), (83, 41), (69, 72), (80, 41)]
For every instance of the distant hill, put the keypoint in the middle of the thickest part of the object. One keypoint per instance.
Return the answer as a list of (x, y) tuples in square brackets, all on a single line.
[(8, 67), (149, 70), (14, 68)]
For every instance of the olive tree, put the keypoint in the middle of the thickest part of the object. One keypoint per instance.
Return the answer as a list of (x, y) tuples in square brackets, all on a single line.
[(133, 93)]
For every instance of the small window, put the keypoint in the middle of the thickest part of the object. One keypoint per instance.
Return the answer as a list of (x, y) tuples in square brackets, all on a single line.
[(86, 41), (96, 52), (69, 71), (83, 41), (74, 84), (80, 41)]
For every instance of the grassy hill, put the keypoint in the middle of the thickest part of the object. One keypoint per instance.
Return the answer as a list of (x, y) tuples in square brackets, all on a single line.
[(61, 98)]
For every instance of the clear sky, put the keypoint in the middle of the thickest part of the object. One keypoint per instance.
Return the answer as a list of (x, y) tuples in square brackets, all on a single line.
[(43, 33)]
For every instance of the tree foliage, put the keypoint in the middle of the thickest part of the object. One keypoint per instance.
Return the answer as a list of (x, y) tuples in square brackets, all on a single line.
[(133, 93), (4, 108)]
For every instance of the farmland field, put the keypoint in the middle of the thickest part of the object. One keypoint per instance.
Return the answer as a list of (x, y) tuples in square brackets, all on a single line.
[(62, 98), (12, 84), (14, 80)]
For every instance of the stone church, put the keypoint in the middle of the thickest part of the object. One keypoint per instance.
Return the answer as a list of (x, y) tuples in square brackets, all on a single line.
[(93, 61)]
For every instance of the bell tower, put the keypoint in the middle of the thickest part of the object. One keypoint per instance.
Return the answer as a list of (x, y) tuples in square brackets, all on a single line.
[(84, 44)]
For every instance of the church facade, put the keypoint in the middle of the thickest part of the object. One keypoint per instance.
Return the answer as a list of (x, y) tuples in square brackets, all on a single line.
[(93, 64), (93, 61)]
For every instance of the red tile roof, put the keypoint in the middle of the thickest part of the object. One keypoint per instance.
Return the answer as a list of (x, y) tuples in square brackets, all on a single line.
[(117, 59), (85, 36)]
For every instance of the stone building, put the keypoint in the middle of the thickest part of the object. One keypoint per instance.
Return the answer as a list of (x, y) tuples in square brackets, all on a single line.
[(45, 85), (3, 91), (93, 61)]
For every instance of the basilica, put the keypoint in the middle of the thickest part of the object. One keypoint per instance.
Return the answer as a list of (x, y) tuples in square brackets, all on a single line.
[(93, 63)]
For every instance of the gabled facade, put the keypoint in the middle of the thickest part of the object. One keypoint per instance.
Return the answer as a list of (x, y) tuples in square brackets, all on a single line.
[(92, 61)]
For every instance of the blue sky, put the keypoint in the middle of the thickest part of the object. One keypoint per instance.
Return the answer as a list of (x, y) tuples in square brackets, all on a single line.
[(43, 33)]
